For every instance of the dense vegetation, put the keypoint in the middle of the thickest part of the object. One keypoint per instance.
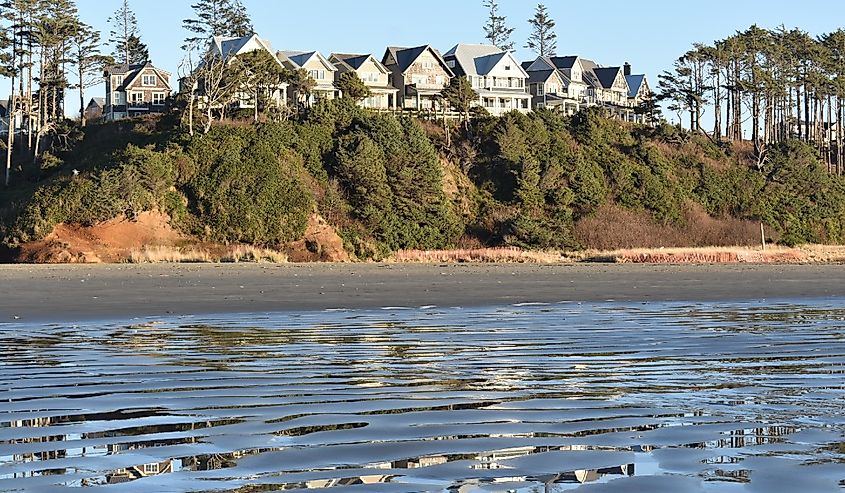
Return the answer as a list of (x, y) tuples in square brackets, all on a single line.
[(390, 183)]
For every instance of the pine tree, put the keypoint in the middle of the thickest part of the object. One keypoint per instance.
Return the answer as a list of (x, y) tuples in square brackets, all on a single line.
[(125, 37), (88, 63), (217, 18), (496, 29), (352, 87), (543, 39), (461, 96), (139, 54)]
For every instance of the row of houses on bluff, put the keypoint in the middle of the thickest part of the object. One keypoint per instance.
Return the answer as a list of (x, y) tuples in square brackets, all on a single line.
[(410, 79)]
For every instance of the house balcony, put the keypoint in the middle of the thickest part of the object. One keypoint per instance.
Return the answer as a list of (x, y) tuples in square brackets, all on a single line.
[(504, 90)]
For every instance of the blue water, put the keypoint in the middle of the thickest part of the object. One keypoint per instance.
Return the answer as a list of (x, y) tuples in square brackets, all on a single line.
[(546, 398)]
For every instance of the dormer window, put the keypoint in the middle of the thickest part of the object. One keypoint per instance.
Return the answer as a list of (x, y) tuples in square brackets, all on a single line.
[(148, 80)]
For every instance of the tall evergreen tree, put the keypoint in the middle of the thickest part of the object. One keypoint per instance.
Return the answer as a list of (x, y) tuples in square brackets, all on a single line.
[(217, 18), (543, 39), (138, 52), (496, 30), (87, 62), (125, 37)]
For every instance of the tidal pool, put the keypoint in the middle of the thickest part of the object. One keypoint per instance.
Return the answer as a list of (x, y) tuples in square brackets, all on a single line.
[(533, 398)]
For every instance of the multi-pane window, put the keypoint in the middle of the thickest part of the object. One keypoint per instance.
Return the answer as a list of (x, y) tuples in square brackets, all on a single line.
[(117, 80), (419, 79), (151, 469), (148, 80), (318, 74), (158, 98), (116, 98), (137, 97)]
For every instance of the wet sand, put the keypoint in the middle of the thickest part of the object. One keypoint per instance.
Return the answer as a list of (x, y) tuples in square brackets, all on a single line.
[(103, 292)]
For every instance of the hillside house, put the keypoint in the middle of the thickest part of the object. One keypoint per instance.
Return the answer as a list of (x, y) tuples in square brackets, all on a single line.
[(548, 89), (133, 90), (229, 48), (497, 77), (95, 109), (374, 75), (419, 74), (574, 91), (4, 117), (318, 67)]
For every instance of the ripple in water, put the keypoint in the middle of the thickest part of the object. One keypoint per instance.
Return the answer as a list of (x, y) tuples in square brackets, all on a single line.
[(532, 398)]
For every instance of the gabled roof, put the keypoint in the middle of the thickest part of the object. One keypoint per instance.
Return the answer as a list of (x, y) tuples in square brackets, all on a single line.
[(607, 76), (132, 76), (540, 76), (479, 60), (101, 102), (228, 46), (301, 58), (635, 83), (355, 62), (122, 69), (563, 62), (405, 57)]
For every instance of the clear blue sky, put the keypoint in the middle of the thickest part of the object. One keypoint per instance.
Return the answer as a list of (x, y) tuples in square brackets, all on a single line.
[(648, 33)]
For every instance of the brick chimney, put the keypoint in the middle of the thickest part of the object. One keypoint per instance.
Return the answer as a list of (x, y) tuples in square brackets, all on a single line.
[(627, 68)]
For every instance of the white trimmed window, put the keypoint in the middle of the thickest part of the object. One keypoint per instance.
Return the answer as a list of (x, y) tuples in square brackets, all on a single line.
[(115, 100), (158, 98), (148, 80), (137, 97), (151, 469), (117, 80)]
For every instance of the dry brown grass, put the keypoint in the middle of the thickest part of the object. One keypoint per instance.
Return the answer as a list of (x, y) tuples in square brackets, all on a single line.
[(241, 253), (708, 255), (614, 228), (478, 256)]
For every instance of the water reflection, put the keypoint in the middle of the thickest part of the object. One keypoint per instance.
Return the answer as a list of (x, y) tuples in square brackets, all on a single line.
[(509, 399)]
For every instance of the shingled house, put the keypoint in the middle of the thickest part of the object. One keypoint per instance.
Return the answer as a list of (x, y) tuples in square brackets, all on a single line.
[(497, 77), (318, 67), (133, 90), (373, 74), (420, 74)]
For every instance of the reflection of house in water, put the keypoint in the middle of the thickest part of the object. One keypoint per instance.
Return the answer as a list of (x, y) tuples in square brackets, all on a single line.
[(139, 472), (49, 453)]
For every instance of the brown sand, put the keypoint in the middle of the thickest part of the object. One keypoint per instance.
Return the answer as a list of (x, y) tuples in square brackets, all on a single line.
[(95, 292)]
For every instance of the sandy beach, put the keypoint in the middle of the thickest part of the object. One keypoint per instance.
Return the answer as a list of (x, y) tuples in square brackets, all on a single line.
[(100, 292)]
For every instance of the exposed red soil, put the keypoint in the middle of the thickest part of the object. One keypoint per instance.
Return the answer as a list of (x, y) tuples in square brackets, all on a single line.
[(321, 243), (109, 242)]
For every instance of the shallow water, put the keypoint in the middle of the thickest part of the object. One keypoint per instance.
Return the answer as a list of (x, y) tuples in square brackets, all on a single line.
[(531, 398)]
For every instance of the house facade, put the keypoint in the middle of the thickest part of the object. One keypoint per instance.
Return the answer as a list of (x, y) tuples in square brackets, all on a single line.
[(548, 89), (497, 77), (639, 92), (318, 67), (229, 48), (4, 117), (134, 90), (610, 86), (95, 109), (419, 74), (375, 76), (572, 94)]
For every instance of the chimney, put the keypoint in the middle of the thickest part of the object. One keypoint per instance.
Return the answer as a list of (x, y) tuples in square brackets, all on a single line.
[(627, 68)]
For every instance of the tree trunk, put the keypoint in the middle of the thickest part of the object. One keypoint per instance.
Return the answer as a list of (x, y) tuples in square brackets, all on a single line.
[(191, 112), (82, 120), (717, 99)]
